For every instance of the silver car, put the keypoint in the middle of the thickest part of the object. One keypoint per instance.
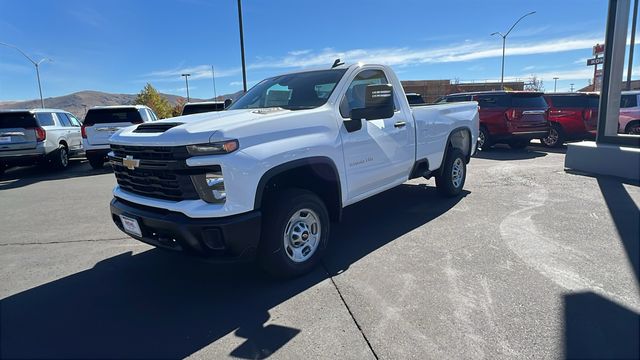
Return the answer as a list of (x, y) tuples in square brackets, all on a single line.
[(38, 136)]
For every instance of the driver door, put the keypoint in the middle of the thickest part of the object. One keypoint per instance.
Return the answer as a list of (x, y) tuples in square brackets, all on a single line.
[(379, 154)]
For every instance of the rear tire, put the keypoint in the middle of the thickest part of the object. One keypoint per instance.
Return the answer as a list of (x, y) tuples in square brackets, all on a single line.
[(60, 158), (96, 162), (519, 144), (633, 128), (484, 139), (555, 138), (451, 179), (295, 233)]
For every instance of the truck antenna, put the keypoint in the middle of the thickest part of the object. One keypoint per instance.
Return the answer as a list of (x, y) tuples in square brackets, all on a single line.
[(336, 63)]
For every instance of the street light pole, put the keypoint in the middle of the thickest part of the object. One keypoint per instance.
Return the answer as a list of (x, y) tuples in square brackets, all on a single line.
[(213, 76), (555, 83), (504, 43), (186, 80), (244, 68), (571, 87), (36, 64)]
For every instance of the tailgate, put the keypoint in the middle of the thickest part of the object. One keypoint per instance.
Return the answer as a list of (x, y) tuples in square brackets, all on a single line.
[(99, 134), (17, 131), (528, 111)]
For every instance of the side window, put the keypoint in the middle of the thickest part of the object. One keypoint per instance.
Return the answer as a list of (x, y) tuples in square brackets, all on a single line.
[(153, 115), (355, 95), (45, 119), (64, 120), (628, 101), (493, 101), (74, 122), (145, 115)]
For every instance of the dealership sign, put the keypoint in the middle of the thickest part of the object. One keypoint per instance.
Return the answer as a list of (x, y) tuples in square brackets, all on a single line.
[(598, 49), (595, 61)]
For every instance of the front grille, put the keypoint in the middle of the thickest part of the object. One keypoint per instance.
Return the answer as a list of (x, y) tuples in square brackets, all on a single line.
[(166, 153), (162, 184)]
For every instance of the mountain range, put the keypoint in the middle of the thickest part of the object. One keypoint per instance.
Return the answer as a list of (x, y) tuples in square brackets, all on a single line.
[(78, 102)]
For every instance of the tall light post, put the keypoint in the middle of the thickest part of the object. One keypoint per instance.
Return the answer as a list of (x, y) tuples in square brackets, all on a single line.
[(244, 68), (571, 87), (555, 83), (504, 41), (36, 64), (186, 80), (213, 76)]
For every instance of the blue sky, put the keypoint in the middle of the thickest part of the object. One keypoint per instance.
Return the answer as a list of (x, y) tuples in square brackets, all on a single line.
[(117, 46)]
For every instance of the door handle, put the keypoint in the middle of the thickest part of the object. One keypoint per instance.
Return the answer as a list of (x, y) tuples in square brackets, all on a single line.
[(400, 124)]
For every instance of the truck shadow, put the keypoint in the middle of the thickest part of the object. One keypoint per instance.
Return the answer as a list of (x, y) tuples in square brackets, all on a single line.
[(24, 176), (501, 153), (161, 305)]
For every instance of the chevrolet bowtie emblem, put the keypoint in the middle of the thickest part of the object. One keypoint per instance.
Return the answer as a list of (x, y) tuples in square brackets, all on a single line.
[(130, 163)]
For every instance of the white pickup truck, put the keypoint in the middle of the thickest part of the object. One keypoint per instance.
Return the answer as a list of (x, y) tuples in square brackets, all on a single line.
[(265, 177)]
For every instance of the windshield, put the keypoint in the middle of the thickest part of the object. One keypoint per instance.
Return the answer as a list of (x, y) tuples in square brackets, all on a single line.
[(298, 91)]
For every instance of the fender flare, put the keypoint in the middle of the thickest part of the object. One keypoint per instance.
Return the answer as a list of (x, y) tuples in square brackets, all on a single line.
[(298, 163)]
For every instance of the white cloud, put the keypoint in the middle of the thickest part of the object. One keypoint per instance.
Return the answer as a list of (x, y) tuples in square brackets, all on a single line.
[(466, 51)]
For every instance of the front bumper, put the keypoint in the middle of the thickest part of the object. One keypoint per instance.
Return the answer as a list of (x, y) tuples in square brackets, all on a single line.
[(232, 238)]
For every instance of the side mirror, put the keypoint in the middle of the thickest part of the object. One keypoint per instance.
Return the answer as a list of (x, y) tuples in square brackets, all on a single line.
[(227, 103), (378, 103)]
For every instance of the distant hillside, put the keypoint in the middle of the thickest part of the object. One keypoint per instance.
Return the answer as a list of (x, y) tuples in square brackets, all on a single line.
[(76, 102)]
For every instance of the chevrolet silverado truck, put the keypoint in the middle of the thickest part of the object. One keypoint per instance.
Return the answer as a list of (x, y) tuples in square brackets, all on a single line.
[(265, 178)]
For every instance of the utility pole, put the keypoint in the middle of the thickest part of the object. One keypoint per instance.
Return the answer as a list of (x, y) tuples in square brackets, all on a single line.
[(36, 64), (504, 42), (186, 80), (633, 43), (213, 76), (244, 68), (555, 83), (571, 87)]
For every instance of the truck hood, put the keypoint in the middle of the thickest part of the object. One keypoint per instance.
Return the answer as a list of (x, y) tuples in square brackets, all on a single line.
[(199, 128)]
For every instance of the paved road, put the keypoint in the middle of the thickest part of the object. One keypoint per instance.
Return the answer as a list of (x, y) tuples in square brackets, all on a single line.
[(531, 262)]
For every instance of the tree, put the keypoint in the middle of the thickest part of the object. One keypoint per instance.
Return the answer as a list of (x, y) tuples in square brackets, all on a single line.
[(150, 97), (534, 84), (177, 110)]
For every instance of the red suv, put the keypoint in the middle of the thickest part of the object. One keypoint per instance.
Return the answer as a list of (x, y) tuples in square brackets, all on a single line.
[(508, 117), (572, 116)]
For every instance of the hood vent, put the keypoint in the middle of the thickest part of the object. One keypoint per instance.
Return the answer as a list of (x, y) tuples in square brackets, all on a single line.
[(156, 128)]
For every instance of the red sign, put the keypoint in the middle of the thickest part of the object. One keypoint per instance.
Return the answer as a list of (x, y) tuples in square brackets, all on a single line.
[(598, 49)]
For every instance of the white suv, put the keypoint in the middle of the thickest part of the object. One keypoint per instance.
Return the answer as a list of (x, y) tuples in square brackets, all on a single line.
[(38, 136), (103, 121)]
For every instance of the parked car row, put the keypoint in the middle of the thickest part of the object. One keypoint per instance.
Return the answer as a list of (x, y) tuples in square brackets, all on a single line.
[(52, 136), (516, 117)]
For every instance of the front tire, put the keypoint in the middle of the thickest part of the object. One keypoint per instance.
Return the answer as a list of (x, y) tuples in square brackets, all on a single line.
[(454, 173), (60, 158), (633, 128), (295, 233), (555, 138)]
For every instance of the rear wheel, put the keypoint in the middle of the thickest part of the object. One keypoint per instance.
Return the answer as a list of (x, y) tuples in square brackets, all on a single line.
[(519, 144), (60, 158), (633, 128), (484, 139), (555, 138), (453, 175), (96, 162), (295, 233)]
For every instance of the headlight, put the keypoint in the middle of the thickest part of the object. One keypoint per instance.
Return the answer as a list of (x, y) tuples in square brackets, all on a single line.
[(222, 147), (210, 186)]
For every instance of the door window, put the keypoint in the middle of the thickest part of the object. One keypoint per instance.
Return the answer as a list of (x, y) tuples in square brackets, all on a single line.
[(74, 122), (628, 101), (64, 120), (354, 98)]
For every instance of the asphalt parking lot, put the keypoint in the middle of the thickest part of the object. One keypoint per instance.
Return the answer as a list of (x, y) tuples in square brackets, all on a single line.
[(532, 262)]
